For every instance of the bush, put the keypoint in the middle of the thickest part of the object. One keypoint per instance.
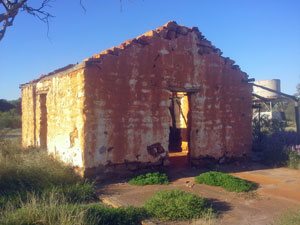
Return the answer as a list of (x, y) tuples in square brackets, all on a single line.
[(228, 182), (99, 214), (150, 178), (177, 205), (10, 119), (293, 159), (275, 147)]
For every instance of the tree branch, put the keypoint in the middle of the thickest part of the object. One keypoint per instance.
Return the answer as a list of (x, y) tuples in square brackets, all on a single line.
[(11, 9)]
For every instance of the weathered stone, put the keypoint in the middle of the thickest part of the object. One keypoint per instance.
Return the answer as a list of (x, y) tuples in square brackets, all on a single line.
[(143, 40), (183, 30), (172, 25), (171, 35), (106, 112)]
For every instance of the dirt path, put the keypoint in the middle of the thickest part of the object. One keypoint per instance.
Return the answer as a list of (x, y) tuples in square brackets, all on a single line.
[(279, 190)]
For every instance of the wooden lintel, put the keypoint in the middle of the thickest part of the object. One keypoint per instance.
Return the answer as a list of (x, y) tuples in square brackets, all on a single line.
[(188, 90)]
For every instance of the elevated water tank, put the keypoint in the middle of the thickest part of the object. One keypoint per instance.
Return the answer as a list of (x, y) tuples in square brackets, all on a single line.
[(273, 84)]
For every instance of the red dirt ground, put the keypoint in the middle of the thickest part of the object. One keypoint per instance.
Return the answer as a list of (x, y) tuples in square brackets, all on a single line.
[(279, 191)]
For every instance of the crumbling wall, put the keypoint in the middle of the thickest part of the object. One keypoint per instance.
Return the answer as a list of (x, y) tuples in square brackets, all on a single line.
[(128, 90), (28, 116), (113, 109), (52, 115)]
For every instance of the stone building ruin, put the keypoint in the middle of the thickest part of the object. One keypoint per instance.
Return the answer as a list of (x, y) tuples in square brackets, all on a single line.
[(131, 105)]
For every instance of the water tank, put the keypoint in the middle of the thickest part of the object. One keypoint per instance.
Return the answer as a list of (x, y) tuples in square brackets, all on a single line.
[(273, 84)]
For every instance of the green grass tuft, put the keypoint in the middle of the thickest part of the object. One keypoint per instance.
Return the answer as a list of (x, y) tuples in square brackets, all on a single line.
[(99, 214), (74, 193), (150, 178), (24, 171), (31, 170), (44, 210), (177, 205), (54, 209), (227, 181), (37, 189)]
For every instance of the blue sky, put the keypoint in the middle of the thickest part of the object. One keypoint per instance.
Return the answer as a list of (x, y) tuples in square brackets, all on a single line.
[(262, 36)]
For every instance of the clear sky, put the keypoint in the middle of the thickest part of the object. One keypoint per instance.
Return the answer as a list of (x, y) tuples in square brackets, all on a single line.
[(262, 36)]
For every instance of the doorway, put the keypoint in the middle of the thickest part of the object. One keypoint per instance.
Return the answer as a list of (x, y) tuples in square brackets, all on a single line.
[(43, 121), (179, 130)]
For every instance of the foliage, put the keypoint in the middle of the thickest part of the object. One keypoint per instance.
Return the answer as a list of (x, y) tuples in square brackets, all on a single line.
[(36, 189), (267, 126), (275, 147), (10, 119), (99, 214), (227, 181), (31, 170), (177, 205), (5, 105), (56, 210), (45, 211), (274, 142), (290, 112), (9, 9), (150, 178), (293, 158), (74, 193)]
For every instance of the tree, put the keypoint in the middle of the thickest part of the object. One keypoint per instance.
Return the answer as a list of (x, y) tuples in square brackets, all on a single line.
[(5, 105), (9, 9)]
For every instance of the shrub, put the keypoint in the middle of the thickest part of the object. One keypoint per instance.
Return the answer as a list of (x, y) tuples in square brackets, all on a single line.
[(150, 178), (10, 119), (293, 159), (177, 205), (275, 146), (229, 182), (99, 214)]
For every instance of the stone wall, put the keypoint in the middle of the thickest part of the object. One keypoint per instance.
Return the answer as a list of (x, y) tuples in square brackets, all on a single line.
[(52, 115), (113, 109), (128, 90), (28, 115)]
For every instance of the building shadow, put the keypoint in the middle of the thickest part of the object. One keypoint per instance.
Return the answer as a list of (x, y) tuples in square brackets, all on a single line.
[(219, 207)]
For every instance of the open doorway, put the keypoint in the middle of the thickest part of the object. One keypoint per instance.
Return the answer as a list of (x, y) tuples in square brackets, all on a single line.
[(179, 129)]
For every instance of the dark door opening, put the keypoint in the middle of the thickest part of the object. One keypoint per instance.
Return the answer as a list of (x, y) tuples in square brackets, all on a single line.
[(43, 121), (179, 129)]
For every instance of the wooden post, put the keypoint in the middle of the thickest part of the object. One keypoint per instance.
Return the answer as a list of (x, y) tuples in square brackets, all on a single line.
[(259, 120), (297, 117)]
